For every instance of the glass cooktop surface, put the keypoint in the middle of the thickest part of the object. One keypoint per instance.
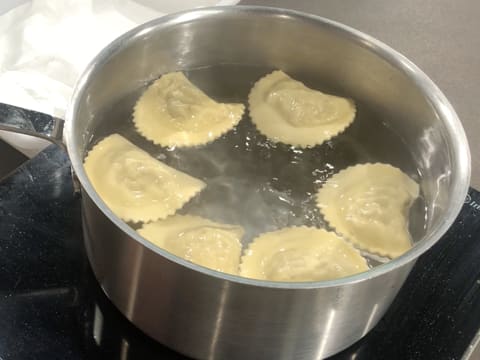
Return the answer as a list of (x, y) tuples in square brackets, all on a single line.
[(51, 306)]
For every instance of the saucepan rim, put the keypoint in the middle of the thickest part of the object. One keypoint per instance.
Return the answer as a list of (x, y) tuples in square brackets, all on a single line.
[(460, 148)]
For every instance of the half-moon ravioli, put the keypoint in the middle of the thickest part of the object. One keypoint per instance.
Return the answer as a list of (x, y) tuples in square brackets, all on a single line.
[(285, 110), (301, 254), (134, 185), (369, 205), (174, 112), (198, 240)]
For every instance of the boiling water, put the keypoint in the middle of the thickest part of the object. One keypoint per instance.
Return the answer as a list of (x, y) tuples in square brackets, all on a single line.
[(253, 182)]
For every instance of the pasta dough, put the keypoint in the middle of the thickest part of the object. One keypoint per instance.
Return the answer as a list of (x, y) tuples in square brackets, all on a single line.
[(201, 241), (301, 254), (287, 111), (369, 205), (174, 112), (134, 185)]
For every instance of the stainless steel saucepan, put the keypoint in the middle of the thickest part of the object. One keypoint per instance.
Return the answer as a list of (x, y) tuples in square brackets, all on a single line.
[(211, 315)]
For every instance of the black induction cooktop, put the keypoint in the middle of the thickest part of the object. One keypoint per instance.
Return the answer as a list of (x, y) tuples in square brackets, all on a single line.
[(51, 306)]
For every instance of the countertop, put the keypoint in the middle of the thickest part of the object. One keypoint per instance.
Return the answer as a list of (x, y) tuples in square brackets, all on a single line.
[(441, 36)]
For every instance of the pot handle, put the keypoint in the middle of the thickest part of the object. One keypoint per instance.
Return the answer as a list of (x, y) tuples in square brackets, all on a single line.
[(29, 122)]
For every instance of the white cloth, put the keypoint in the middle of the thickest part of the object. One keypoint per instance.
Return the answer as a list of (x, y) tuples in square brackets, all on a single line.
[(46, 44)]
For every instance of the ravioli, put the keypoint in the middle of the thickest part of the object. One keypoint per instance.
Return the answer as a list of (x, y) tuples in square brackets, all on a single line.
[(369, 205), (286, 111), (198, 240), (133, 184), (301, 254), (174, 112)]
